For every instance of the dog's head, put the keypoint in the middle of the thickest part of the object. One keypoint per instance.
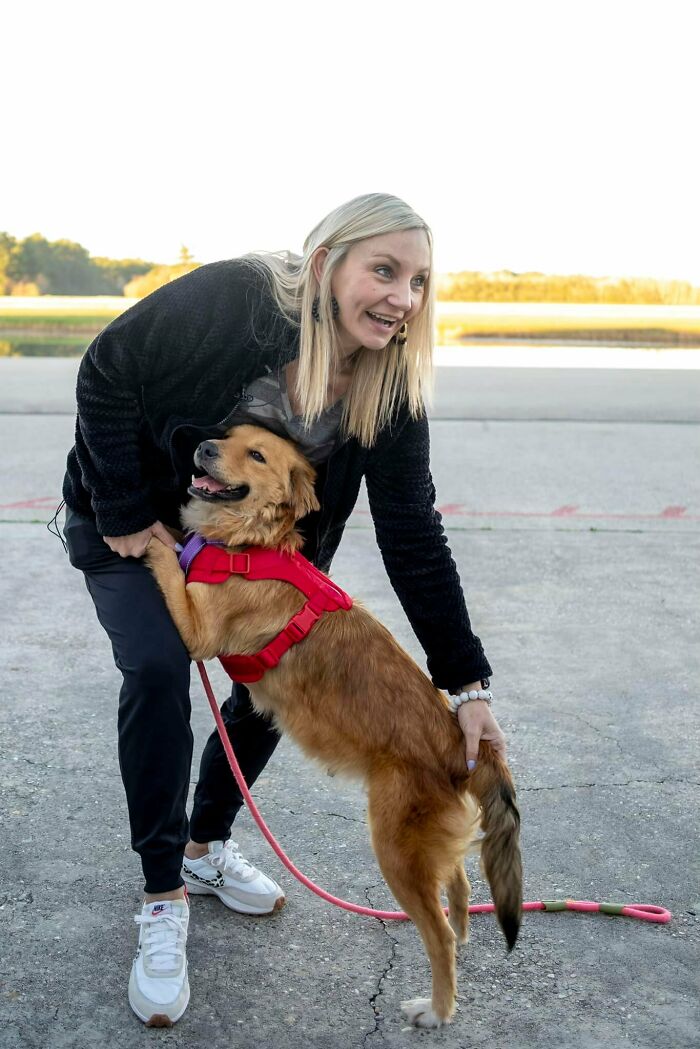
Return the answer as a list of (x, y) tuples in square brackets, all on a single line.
[(256, 486)]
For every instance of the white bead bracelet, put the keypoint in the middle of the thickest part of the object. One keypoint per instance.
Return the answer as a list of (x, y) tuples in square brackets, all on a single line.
[(465, 697)]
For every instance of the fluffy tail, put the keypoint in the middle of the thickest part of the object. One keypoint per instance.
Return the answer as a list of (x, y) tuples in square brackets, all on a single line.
[(491, 784)]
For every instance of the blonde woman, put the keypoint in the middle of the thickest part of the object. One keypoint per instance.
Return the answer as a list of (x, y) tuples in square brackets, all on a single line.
[(332, 349)]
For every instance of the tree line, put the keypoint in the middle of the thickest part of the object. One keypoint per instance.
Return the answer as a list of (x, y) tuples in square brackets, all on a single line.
[(36, 266), (540, 287)]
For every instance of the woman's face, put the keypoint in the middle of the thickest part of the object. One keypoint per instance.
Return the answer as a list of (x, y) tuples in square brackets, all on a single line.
[(380, 277)]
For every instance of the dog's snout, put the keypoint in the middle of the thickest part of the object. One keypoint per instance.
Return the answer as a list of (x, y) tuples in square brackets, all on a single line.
[(206, 451)]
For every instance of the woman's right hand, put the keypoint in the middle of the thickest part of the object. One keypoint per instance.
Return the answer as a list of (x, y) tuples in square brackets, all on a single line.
[(135, 545)]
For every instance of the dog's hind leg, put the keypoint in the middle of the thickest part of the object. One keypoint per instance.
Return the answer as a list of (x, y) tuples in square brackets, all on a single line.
[(410, 862), (458, 893), (418, 892)]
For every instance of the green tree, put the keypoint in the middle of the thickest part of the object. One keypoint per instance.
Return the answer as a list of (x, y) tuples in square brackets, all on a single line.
[(116, 273), (7, 243), (63, 267)]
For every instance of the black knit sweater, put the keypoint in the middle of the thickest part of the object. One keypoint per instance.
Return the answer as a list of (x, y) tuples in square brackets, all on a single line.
[(168, 373)]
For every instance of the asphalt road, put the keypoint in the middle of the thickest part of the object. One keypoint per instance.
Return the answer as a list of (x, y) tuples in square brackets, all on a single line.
[(571, 500)]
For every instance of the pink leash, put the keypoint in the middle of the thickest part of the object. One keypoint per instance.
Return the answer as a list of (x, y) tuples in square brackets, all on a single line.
[(643, 911)]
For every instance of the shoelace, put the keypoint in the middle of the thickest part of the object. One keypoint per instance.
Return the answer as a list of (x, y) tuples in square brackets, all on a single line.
[(230, 859), (163, 940)]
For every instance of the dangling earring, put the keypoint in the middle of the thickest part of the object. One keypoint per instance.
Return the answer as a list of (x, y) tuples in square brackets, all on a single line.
[(315, 311), (401, 337)]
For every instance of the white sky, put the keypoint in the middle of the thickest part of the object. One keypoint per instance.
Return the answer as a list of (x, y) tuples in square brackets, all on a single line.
[(555, 135)]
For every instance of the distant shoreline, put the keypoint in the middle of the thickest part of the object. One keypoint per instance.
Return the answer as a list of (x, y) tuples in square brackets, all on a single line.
[(65, 325)]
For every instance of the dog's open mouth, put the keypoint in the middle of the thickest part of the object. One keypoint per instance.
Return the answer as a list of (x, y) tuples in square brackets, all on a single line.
[(208, 487)]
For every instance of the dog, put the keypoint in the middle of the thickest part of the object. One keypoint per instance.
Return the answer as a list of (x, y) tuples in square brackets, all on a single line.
[(352, 698)]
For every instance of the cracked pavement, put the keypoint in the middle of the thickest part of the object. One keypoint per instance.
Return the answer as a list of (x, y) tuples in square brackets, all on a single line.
[(589, 617)]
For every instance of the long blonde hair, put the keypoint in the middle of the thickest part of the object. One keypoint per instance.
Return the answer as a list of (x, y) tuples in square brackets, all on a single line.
[(381, 380)]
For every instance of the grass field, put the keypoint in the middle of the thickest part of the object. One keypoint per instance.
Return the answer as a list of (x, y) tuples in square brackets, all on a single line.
[(461, 322), (59, 313), (71, 322)]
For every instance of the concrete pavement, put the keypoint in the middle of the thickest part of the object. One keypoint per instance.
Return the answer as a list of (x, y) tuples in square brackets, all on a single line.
[(572, 505)]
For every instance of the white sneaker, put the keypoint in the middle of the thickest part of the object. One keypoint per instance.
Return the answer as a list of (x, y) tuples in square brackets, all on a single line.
[(223, 872), (158, 987)]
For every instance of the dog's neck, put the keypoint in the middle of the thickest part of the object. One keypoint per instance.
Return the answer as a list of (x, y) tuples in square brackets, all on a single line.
[(273, 530)]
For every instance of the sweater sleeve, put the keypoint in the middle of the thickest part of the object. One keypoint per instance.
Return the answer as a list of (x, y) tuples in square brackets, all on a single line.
[(418, 561), (166, 333), (107, 433)]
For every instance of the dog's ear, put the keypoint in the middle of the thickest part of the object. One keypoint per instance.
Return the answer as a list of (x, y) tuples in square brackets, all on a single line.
[(302, 497)]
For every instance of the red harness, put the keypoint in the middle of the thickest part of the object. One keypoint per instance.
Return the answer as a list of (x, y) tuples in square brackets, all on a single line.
[(215, 564)]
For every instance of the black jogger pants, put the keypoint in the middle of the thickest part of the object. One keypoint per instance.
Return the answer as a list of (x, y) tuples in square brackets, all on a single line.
[(155, 738)]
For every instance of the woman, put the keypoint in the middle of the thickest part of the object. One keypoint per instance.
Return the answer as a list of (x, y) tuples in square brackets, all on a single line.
[(333, 349)]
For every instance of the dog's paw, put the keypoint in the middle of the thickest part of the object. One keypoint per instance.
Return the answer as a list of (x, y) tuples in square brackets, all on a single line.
[(160, 556), (420, 1012), (156, 549)]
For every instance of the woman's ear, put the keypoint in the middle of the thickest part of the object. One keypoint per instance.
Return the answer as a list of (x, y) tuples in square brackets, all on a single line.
[(302, 497), (318, 261)]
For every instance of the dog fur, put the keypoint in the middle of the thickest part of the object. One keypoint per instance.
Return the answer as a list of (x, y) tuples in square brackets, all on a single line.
[(353, 699)]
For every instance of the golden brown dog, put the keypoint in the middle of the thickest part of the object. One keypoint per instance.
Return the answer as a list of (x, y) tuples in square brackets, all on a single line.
[(351, 697)]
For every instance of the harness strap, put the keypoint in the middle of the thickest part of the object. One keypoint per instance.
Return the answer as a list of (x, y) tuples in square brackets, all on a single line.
[(206, 562)]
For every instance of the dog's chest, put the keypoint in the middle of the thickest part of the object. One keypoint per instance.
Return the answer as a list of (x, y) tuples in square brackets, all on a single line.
[(262, 700)]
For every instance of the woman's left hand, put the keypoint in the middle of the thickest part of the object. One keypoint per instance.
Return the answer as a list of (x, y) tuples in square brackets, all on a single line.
[(477, 722)]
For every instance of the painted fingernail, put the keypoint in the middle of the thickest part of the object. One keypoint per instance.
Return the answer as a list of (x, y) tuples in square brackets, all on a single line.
[(471, 764)]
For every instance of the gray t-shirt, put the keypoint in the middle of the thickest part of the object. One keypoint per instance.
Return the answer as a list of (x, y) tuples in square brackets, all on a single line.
[(266, 403)]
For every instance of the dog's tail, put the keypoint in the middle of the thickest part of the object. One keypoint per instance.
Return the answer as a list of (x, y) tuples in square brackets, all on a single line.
[(491, 784)]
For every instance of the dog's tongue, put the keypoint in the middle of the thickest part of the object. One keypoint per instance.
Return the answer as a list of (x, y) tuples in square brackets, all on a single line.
[(208, 483)]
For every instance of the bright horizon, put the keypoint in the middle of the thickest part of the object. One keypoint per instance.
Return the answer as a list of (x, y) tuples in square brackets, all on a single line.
[(550, 137)]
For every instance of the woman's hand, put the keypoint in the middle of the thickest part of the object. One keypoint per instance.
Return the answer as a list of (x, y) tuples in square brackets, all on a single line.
[(135, 545), (477, 722)]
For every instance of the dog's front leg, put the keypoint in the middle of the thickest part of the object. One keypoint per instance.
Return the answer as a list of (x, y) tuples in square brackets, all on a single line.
[(163, 562)]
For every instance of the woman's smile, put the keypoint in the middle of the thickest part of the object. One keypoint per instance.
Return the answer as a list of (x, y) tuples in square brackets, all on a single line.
[(380, 322)]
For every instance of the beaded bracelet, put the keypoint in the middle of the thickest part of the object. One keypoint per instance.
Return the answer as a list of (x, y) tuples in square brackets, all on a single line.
[(464, 697)]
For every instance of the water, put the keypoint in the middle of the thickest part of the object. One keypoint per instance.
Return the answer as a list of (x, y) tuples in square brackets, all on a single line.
[(23, 345)]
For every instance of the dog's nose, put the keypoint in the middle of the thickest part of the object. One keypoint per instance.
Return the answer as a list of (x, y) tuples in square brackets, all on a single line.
[(206, 451)]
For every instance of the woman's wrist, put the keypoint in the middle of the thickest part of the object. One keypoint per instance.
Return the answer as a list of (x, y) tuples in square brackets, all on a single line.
[(471, 685), (474, 692)]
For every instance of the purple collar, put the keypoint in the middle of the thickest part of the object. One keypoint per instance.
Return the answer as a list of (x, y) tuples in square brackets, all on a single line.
[(194, 542)]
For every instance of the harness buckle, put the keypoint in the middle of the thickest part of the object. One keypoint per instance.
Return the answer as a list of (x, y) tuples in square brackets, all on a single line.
[(299, 625)]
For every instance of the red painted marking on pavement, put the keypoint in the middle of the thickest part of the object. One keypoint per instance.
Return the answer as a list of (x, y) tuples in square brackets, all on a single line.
[(26, 504), (458, 510), (577, 515)]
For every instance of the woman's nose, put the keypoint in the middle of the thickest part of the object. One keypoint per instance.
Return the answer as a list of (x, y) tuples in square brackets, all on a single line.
[(402, 298)]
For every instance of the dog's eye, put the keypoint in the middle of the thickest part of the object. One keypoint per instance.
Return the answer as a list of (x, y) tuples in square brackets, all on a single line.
[(258, 456)]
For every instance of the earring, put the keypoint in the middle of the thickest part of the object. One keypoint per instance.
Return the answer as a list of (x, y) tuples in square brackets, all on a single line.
[(401, 337), (315, 311)]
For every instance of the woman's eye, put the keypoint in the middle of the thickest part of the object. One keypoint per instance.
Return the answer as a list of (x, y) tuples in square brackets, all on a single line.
[(259, 458), (418, 281)]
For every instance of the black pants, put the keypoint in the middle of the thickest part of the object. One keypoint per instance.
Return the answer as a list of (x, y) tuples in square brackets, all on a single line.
[(155, 738)]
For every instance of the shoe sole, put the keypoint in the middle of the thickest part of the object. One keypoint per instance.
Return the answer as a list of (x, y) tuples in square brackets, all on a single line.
[(161, 1019), (196, 889)]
